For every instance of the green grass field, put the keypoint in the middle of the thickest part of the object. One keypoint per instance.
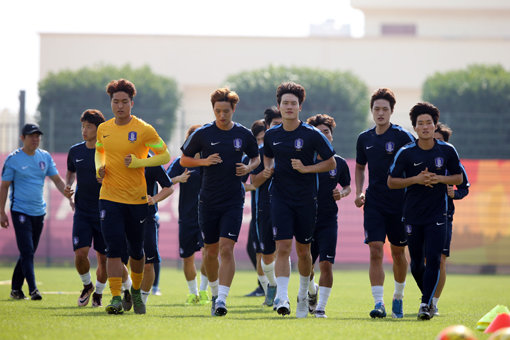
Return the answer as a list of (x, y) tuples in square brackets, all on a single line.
[(465, 300)]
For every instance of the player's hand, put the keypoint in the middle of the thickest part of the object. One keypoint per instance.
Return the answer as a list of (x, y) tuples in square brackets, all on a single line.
[(4, 221), (425, 178), (336, 194), (360, 200), (150, 200), (68, 191), (451, 191), (183, 178), (242, 169), (101, 172), (298, 165), (127, 160), (213, 159), (267, 173), (71, 203)]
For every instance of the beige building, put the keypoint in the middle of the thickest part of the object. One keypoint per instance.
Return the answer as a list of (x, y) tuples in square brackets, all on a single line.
[(406, 41)]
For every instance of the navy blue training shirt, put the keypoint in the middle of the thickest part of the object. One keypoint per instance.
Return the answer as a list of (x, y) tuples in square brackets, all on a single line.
[(328, 181), (188, 192), (378, 151), (303, 143), (422, 204), (459, 193), (81, 160), (153, 176), (220, 185), (261, 195)]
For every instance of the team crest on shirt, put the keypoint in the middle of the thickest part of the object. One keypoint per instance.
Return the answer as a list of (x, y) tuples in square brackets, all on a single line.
[(42, 165), (298, 144), (332, 173), (389, 147), (132, 135), (409, 228), (22, 218), (238, 143), (438, 161)]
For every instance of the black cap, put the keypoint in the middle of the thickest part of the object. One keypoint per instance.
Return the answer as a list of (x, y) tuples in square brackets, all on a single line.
[(29, 129)]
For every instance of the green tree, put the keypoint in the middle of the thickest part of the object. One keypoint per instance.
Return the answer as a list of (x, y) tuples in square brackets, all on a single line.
[(66, 94), (475, 103), (341, 95)]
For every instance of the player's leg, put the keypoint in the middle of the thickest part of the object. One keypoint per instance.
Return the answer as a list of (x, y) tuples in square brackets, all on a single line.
[(151, 256), (204, 281), (313, 288), (398, 240), (326, 235), (268, 248), (252, 248), (190, 274), (101, 276), (82, 241), (442, 268), (157, 269)]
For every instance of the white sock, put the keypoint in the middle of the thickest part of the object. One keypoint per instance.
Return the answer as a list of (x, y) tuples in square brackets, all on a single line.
[(263, 282), (323, 297), (269, 271), (192, 287), (282, 286), (203, 282), (145, 296), (100, 287), (399, 290), (435, 301), (303, 286), (126, 285), (378, 293), (222, 293), (85, 278), (311, 287), (214, 287)]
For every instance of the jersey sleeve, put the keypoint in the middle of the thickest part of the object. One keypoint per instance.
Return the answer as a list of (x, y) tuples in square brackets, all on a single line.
[(192, 145), (7, 170), (397, 168), (162, 177), (453, 163), (52, 167), (175, 168), (99, 141), (260, 167), (344, 178), (463, 188), (323, 146), (153, 141), (268, 152), (245, 160), (252, 149), (361, 157), (71, 167)]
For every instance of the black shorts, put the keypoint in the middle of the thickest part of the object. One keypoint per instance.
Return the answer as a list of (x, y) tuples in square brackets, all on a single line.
[(123, 227), (264, 229), (448, 241), (87, 227), (190, 240), (290, 220), (219, 222), (150, 241), (379, 224), (324, 241)]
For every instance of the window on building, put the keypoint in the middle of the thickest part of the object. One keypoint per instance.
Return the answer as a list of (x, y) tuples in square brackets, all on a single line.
[(398, 29)]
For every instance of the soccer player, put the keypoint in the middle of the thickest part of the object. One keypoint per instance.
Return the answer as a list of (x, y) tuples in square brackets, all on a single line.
[(326, 226), (382, 208), (190, 237), (290, 151), (443, 133), (425, 168), (262, 208), (24, 172), (123, 143), (221, 145), (86, 225)]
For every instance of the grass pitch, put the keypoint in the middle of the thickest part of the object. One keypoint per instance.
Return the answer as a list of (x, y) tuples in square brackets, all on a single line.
[(466, 298)]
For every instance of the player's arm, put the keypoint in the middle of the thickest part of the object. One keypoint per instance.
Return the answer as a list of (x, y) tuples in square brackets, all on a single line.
[(4, 190), (322, 166), (156, 160), (359, 180), (161, 195), (258, 179), (182, 178), (243, 169), (448, 179), (339, 194), (70, 178), (268, 167), (192, 162), (61, 186), (99, 159)]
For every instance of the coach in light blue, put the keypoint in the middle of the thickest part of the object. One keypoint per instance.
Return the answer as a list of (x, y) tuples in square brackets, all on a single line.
[(24, 172)]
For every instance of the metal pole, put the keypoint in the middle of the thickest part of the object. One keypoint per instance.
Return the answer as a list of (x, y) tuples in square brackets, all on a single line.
[(51, 149), (22, 113)]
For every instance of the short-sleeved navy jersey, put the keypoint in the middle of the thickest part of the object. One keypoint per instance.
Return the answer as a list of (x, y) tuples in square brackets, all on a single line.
[(153, 176), (220, 185), (81, 160), (459, 193), (422, 204), (327, 182), (262, 193), (303, 143), (188, 192), (378, 151)]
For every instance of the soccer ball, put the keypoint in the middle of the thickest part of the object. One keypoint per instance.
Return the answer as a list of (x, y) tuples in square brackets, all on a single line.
[(501, 334), (456, 332)]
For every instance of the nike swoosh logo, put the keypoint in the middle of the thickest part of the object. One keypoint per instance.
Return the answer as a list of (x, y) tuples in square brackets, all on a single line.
[(150, 258), (24, 167), (276, 143), (329, 256), (230, 234), (104, 136), (369, 147), (402, 242), (308, 239), (437, 223), (141, 221), (79, 160), (215, 143), (85, 299), (416, 164)]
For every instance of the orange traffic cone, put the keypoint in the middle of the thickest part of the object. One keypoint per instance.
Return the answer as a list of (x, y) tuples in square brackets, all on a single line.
[(501, 321)]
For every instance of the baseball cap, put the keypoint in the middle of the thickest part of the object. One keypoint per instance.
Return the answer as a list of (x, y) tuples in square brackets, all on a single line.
[(29, 129)]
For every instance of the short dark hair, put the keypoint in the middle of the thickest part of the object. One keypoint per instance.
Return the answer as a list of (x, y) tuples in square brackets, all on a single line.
[(224, 94), (92, 116), (444, 130), (424, 108), (191, 129), (322, 119), (258, 126), (271, 113), (121, 85), (383, 93), (292, 88)]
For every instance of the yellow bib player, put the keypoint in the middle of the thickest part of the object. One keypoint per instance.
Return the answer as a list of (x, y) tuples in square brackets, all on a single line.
[(121, 156)]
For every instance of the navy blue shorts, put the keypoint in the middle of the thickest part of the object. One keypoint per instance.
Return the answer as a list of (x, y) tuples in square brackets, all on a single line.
[(219, 222), (87, 227), (448, 241), (324, 241), (123, 227), (264, 229), (379, 224), (294, 220), (253, 237), (150, 241), (190, 239)]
